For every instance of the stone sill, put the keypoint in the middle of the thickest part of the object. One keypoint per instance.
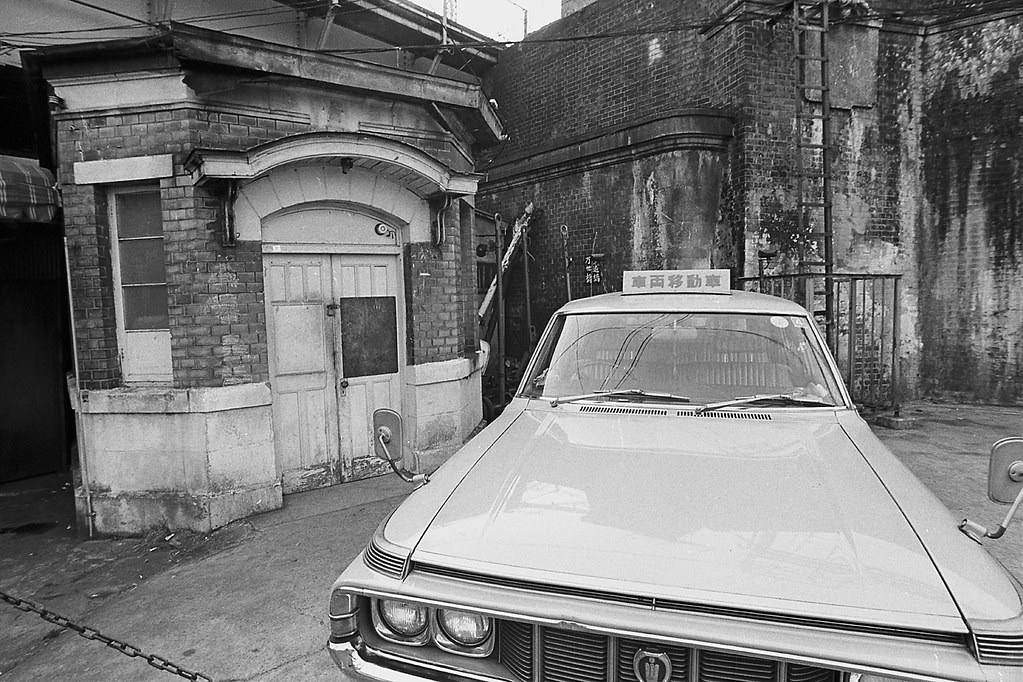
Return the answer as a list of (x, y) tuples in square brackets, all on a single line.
[(441, 372), (165, 400)]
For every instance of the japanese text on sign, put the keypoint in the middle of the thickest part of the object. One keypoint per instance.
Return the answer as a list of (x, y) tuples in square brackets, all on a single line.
[(593, 273), (676, 281)]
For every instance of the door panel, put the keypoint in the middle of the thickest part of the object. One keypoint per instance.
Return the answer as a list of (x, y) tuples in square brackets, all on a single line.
[(302, 370), (370, 354)]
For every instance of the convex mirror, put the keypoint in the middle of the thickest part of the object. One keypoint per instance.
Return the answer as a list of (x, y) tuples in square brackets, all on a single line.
[(387, 435), (1005, 473)]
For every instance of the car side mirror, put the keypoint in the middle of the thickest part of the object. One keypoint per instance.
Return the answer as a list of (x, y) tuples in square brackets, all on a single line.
[(388, 443), (387, 436), (1005, 471), (1004, 485)]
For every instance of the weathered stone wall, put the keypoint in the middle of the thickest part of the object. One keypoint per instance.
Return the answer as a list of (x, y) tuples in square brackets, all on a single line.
[(658, 211), (971, 220), (670, 204), (925, 166)]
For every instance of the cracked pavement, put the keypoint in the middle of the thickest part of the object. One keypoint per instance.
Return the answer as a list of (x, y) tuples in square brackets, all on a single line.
[(247, 602)]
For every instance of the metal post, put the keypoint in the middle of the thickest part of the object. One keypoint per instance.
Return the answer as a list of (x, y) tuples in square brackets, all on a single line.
[(568, 274), (525, 273), (895, 347), (80, 420), (852, 334), (499, 253), (876, 372)]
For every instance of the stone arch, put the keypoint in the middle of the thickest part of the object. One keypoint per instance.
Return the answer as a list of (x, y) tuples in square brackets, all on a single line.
[(289, 188), (372, 170)]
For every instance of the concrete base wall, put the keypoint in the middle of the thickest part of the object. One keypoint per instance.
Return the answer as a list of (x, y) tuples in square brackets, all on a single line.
[(197, 459), (446, 408), (192, 459)]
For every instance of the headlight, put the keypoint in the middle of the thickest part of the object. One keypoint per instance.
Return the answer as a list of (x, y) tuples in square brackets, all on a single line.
[(403, 617), (860, 677), (465, 628)]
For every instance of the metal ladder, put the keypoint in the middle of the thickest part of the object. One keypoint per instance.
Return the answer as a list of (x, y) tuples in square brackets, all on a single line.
[(814, 156)]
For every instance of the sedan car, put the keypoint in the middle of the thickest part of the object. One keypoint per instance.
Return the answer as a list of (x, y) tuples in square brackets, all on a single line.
[(681, 490)]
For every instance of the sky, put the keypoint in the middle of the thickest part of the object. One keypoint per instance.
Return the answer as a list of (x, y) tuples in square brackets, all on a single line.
[(502, 19)]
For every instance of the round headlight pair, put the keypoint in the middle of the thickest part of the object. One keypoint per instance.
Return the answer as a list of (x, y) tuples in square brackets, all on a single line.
[(410, 620)]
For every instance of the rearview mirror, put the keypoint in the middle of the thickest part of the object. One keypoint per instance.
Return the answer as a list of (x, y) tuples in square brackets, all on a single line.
[(1005, 473), (387, 436)]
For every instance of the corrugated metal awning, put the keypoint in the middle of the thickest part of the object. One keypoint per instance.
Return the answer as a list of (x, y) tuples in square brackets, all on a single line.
[(28, 192)]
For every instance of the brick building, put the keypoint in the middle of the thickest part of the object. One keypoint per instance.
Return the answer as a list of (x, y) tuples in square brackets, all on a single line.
[(663, 134), (266, 242)]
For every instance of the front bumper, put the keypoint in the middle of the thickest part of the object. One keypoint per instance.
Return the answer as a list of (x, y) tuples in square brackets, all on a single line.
[(354, 667)]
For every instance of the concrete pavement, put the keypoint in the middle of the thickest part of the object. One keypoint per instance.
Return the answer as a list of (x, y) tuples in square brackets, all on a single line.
[(254, 608), (248, 602)]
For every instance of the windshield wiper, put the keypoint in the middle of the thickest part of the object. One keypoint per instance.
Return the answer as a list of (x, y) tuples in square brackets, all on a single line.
[(778, 398), (620, 393)]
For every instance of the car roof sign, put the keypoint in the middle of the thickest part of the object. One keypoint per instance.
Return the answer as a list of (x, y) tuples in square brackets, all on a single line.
[(677, 282)]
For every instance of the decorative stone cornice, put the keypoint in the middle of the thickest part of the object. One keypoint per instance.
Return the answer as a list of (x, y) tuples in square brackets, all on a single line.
[(406, 165), (694, 129)]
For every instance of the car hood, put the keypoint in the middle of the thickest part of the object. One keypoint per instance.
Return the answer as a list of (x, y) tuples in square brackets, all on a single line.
[(773, 512)]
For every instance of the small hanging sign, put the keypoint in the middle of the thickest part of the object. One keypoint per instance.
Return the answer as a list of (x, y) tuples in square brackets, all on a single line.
[(593, 272), (676, 282)]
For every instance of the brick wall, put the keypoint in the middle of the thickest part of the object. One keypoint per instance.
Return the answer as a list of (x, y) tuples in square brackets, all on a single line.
[(634, 212), (441, 287), (214, 293), (971, 236), (569, 6), (88, 239), (926, 180), (551, 92)]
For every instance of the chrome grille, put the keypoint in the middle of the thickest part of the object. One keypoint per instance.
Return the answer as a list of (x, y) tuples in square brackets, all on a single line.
[(803, 673), (627, 648), (515, 648), (718, 667), (385, 562), (1004, 649), (568, 656), (573, 656)]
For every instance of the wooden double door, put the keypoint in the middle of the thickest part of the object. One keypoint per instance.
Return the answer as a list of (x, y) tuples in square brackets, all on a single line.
[(336, 344)]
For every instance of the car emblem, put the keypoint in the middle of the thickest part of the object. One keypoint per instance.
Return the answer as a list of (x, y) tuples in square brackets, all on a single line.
[(651, 666)]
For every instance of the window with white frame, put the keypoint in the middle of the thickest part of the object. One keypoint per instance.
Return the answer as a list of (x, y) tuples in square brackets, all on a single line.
[(140, 282)]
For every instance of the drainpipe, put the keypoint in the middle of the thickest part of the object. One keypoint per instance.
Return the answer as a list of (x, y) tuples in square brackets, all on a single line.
[(83, 457), (499, 254)]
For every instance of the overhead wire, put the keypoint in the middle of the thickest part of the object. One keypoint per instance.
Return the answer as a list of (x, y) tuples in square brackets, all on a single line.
[(115, 13), (947, 12)]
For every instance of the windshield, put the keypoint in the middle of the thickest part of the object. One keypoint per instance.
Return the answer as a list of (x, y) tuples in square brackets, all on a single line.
[(706, 357)]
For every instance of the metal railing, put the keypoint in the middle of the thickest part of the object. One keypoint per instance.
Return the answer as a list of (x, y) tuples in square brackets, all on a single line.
[(864, 334)]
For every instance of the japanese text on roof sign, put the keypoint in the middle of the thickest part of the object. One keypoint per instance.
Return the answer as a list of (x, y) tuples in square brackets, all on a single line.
[(676, 281)]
